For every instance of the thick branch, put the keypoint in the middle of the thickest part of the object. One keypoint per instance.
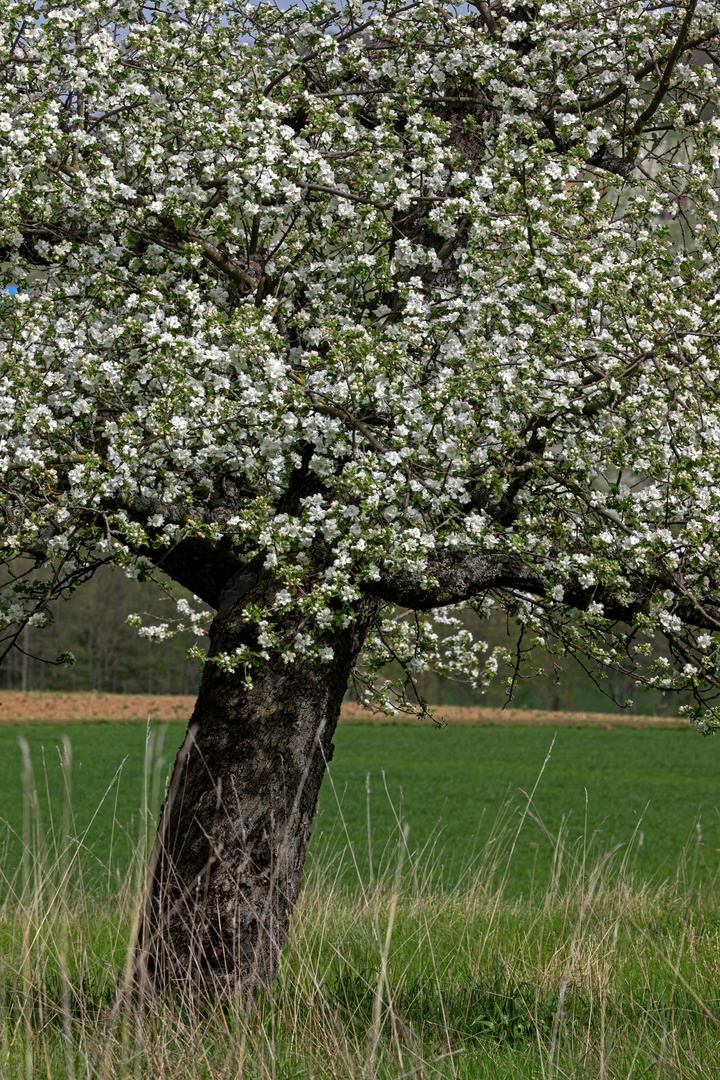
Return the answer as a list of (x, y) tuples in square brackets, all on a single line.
[(462, 578), (199, 565), (457, 580), (609, 162)]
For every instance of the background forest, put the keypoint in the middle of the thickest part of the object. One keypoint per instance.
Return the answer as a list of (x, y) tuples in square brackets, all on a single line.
[(112, 658)]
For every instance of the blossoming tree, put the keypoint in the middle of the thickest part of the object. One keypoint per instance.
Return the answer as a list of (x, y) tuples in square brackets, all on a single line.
[(350, 319)]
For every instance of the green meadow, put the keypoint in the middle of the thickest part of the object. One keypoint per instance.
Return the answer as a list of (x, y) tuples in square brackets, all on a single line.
[(656, 791), (479, 903)]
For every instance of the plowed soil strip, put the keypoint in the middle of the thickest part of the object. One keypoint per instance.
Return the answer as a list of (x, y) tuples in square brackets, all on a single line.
[(18, 708)]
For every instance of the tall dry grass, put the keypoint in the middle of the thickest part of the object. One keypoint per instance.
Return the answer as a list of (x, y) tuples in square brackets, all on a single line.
[(598, 974)]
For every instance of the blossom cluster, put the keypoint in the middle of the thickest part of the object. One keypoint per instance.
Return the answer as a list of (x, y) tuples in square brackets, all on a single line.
[(363, 287)]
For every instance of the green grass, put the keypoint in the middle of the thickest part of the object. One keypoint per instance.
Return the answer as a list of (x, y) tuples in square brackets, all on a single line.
[(452, 782), (594, 973), (448, 785)]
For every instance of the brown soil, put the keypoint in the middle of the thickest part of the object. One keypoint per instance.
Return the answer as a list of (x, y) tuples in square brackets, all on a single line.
[(451, 714), (18, 708)]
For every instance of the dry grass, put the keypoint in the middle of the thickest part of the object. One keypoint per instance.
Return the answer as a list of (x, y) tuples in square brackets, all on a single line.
[(47, 707), (598, 976)]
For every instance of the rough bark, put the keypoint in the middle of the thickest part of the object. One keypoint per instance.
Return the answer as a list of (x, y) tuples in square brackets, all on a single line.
[(225, 870), (462, 577)]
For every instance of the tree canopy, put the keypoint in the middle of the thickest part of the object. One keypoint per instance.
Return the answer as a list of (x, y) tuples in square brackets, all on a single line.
[(387, 299)]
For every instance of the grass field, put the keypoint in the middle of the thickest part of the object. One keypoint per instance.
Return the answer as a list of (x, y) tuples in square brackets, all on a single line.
[(448, 785), (577, 938)]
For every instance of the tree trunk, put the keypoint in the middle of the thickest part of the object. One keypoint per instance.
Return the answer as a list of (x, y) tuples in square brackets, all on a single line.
[(224, 873)]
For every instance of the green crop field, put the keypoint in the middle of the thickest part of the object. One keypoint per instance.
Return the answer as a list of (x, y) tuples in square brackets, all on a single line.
[(591, 953), (449, 786)]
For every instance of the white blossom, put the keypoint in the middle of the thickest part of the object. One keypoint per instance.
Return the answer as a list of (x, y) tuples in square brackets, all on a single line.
[(500, 343)]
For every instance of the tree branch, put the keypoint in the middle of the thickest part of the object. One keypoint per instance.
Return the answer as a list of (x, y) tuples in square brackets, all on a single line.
[(659, 94), (462, 578), (458, 579), (640, 73), (605, 159)]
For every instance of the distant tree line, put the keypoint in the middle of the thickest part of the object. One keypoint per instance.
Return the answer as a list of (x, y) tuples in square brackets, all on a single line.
[(111, 657)]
